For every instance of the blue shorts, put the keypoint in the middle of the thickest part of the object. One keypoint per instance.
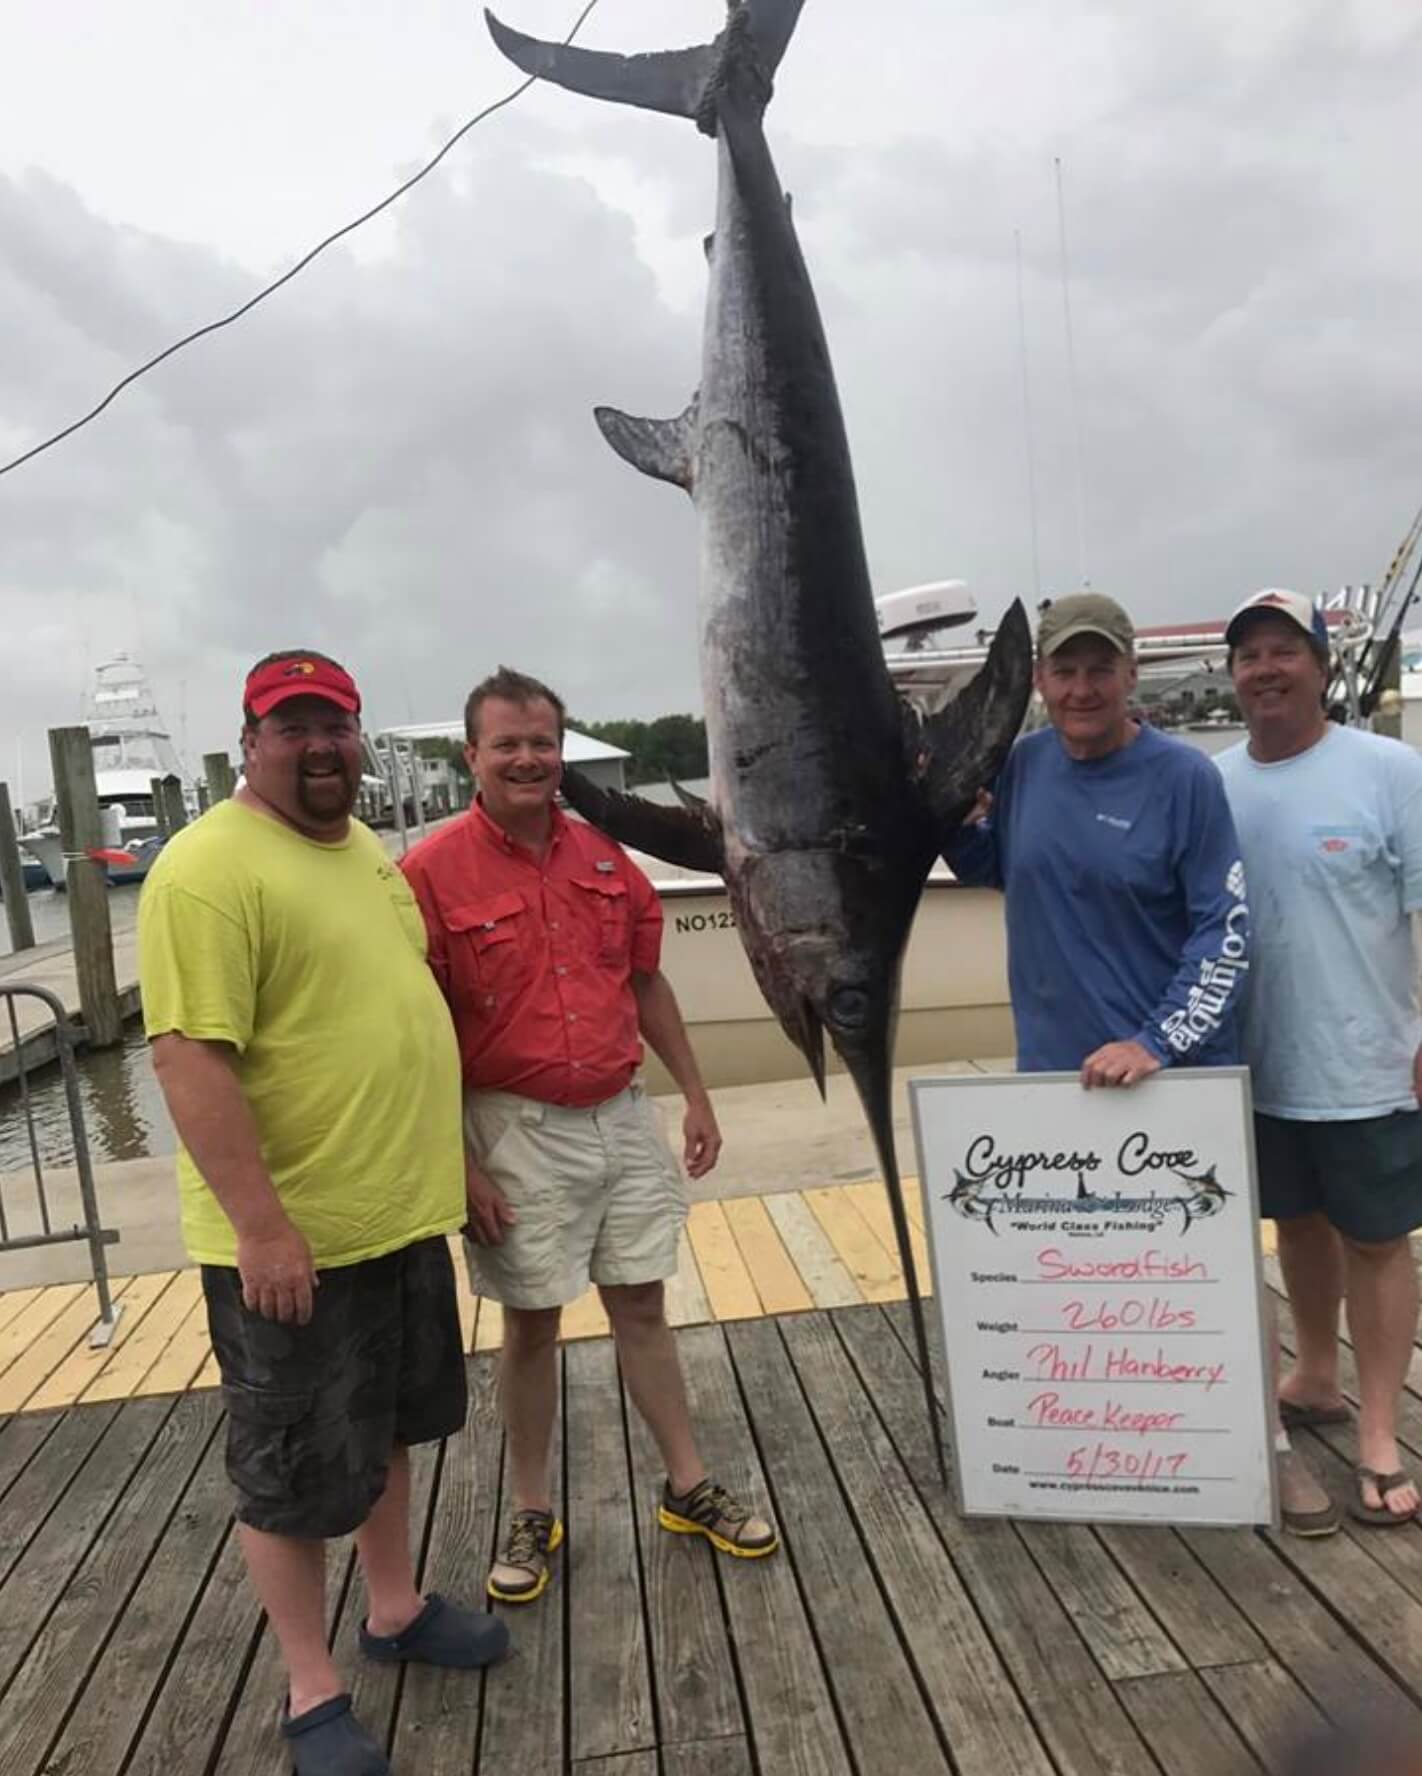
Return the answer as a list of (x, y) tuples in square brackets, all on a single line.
[(1365, 1177)]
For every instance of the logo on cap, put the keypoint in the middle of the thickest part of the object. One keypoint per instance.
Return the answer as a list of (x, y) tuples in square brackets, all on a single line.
[(299, 669)]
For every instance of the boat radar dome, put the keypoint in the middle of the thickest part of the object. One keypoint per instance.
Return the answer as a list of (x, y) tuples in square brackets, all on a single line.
[(919, 610)]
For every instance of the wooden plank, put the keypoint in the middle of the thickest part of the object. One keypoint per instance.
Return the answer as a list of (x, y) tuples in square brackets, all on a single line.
[(977, 1708), (525, 1702), (691, 1652), (438, 1722), (610, 1689), (586, 1317), (1183, 1726), (26, 1374), (787, 1696), (686, 1302), (187, 1351), (1266, 1708), (489, 1332), (715, 1757), (85, 1363), (45, 1479), (1074, 1709), (1124, 1636), (209, 1376), (14, 1302), (1193, 1611), (140, 1354), (728, 1284), (129, 1674), (30, 1325), (22, 1437), (1307, 1639), (634, 1763), (872, 1202), (39, 1576), (463, 1289), (58, 1662), (879, 1702), (874, 1269), (829, 1283), (776, 1280)]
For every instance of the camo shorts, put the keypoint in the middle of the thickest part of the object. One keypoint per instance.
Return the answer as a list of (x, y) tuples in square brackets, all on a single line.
[(313, 1411)]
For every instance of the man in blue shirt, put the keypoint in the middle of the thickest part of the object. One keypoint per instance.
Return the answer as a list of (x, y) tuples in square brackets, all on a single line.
[(1330, 820), (1127, 925)]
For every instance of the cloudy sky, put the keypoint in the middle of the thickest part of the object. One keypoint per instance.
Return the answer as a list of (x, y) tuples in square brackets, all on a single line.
[(394, 460)]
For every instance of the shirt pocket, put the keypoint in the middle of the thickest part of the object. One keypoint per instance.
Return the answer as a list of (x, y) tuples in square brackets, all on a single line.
[(607, 900), (489, 945)]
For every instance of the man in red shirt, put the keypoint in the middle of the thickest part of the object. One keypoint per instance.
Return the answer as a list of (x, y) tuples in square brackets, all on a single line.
[(546, 940)]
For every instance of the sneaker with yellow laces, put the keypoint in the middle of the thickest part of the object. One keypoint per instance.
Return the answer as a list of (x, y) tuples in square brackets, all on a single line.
[(521, 1571), (709, 1510)]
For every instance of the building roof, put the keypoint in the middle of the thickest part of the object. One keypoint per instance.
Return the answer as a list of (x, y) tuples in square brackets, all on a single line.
[(578, 749)]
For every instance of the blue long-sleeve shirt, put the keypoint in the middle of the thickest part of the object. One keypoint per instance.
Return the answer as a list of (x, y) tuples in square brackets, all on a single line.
[(1126, 910)]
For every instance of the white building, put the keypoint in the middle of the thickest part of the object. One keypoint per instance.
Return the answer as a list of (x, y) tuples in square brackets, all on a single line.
[(605, 765)]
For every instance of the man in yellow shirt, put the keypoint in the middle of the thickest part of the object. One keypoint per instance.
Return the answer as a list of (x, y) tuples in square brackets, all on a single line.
[(310, 1068)]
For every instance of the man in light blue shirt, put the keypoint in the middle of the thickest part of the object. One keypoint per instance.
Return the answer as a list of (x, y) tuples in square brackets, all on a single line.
[(1330, 821)]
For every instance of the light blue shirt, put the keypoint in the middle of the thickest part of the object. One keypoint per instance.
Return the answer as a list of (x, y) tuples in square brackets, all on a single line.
[(1332, 844)]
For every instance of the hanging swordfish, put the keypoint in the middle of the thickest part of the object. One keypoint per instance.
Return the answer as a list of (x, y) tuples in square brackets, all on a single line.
[(829, 798)]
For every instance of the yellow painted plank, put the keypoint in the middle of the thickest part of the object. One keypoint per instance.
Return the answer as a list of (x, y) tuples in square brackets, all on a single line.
[(586, 1317), (185, 1353), (859, 1247), (30, 1325), (85, 1364), (468, 1303), (729, 1287), (14, 1302), (489, 1332), (913, 1202), (816, 1260), (685, 1297), (873, 1205), (209, 1376), (776, 1280), (127, 1372), (1268, 1238), (27, 1373)]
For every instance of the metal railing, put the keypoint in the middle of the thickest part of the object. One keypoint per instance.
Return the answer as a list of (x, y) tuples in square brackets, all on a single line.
[(51, 1234)]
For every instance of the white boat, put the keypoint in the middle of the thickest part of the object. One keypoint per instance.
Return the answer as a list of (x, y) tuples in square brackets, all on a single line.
[(131, 745)]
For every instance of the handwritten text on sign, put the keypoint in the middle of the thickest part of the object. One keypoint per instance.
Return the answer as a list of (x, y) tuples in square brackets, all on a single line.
[(1097, 1280)]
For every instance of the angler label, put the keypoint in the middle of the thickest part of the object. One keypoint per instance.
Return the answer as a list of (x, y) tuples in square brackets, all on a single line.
[(1097, 1280)]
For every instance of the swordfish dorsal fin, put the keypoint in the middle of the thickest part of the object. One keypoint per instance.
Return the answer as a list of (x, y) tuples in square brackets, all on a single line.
[(665, 448), (690, 838), (961, 749)]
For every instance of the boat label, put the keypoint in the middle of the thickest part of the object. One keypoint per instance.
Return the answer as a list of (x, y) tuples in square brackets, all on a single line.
[(1097, 1277)]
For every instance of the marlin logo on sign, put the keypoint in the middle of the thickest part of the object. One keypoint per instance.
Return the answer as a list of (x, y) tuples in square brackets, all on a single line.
[(980, 1199)]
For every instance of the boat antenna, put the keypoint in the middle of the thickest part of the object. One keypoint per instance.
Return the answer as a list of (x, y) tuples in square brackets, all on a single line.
[(1072, 384), (1027, 421)]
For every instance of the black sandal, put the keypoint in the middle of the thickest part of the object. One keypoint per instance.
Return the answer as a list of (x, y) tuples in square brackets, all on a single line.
[(1378, 1516)]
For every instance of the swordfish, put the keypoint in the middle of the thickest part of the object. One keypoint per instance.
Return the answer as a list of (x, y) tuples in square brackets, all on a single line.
[(829, 798)]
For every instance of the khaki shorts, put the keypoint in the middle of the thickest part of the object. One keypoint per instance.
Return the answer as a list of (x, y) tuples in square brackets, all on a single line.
[(598, 1194)]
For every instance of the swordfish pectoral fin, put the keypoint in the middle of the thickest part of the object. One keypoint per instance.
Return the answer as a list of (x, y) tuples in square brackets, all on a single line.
[(689, 838), (961, 749), (663, 448)]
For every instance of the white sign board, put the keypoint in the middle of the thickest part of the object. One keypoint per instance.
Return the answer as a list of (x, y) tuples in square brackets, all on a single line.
[(1097, 1280)]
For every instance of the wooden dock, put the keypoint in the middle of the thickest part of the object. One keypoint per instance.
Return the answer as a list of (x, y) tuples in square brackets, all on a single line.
[(52, 965)]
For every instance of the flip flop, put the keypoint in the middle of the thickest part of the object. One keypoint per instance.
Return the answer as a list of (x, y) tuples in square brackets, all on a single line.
[(1378, 1516), (1298, 1418)]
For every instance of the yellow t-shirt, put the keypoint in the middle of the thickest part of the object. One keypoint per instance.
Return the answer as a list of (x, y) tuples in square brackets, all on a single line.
[(310, 960)]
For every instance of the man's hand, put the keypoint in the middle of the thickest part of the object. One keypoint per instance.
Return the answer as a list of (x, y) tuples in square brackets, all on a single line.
[(980, 809), (490, 1211), (279, 1280), (702, 1138), (1118, 1063)]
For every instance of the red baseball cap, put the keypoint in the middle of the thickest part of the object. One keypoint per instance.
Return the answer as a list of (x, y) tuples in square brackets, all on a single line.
[(299, 676)]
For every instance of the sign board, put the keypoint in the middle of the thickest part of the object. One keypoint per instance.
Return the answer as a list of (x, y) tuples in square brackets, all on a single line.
[(1097, 1280)]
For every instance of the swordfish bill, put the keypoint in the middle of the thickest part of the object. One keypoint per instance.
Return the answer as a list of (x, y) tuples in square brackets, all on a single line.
[(829, 799)]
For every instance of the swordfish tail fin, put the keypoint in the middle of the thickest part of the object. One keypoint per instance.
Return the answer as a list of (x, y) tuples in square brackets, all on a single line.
[(681, 82)]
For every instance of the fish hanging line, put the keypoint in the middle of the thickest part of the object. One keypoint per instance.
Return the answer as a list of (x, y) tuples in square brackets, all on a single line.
[(300, 266)]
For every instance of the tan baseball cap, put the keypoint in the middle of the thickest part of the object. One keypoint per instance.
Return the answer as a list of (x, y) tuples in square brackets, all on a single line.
[(1084, 613)]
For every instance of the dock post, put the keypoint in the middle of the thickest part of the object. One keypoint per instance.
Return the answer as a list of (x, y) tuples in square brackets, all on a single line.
[(160, 807), (12, 879), (175, 810), (72, 760), (203, 798), (221, 778)]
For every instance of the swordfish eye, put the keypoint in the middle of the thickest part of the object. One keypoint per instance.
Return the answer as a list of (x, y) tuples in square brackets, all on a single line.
[(848, 1007)]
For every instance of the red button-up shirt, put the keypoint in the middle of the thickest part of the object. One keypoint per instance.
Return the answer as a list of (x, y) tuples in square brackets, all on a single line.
[(536, 956)]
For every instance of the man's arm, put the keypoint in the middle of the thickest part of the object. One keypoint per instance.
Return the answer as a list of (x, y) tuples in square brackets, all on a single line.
[(660, 1021), (1205, 990), (215, 1123)]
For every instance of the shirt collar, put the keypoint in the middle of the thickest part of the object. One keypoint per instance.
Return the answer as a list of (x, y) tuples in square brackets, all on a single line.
[(493, 834)]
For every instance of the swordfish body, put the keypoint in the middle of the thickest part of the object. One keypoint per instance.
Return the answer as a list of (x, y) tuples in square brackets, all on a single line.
[(829, 799)]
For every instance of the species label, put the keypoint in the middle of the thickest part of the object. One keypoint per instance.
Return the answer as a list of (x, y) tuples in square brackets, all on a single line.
[(1097, 1280)]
